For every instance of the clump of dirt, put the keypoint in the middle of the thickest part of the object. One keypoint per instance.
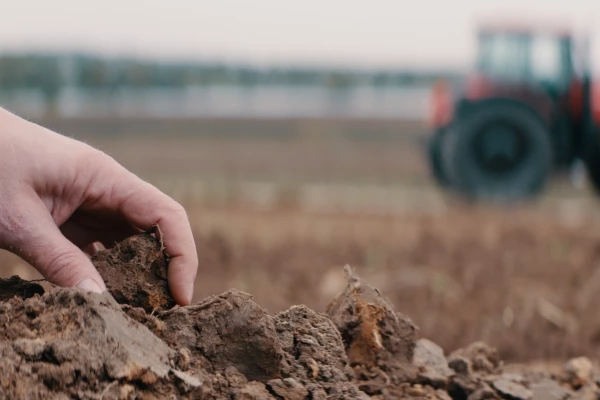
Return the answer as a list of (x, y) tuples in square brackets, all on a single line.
[(135, 272), (314, 356), (379, 342), (473, 366), (68, 344), (228, 330)]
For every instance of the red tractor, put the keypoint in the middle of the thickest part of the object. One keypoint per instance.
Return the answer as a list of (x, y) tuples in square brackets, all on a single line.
[(528, 110)]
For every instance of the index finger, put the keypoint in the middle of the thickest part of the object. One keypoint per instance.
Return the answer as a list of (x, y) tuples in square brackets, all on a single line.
[(144, 206)]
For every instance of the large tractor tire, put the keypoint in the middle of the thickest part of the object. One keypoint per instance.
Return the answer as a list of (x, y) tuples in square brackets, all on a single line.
[(591, 158), (499, 152)]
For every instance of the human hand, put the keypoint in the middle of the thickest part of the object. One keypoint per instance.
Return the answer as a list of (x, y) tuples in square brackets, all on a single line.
[(59, 196)]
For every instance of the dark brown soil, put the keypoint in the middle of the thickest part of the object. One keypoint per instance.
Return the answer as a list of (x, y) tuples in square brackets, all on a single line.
[(15, 286), (135, 272), (68, 344)]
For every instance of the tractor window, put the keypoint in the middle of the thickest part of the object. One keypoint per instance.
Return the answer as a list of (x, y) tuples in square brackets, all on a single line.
[(515, 57), (549, 60), (503, 57)]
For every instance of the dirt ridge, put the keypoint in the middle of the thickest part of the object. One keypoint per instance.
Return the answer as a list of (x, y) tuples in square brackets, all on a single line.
[(131, 343)]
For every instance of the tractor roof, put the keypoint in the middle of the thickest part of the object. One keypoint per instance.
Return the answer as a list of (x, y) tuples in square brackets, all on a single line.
[(525, 28)]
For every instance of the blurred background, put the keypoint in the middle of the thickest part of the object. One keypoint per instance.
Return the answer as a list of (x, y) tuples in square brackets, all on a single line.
[(295, 134)]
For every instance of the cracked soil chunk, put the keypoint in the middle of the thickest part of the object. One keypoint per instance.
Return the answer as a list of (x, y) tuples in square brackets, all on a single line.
[(135, 273), (433, 368), (379, 343), (67, 341), (229, 330)]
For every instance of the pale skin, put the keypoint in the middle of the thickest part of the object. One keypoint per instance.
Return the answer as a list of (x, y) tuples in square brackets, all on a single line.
[(59, 197)]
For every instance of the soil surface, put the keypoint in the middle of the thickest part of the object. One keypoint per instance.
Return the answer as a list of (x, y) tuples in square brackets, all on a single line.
[(525, 281), (130, 343)]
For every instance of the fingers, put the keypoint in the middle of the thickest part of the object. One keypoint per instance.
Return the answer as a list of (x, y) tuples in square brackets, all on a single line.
[(38, 240), (145, 206)]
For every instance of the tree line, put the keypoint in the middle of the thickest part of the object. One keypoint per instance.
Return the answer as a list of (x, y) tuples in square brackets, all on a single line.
[(50, 73)]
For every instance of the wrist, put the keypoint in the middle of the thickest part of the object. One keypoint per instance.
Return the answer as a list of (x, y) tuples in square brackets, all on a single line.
[(13, 127)]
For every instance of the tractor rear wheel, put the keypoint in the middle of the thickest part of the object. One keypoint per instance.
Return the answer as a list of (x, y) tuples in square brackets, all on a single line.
[(591, 158), (499, 152)]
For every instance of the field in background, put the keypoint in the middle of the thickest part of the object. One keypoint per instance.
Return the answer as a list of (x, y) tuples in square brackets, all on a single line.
[(278, 207)]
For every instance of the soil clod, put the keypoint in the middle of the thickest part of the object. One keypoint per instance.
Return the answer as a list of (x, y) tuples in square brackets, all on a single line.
[(135, 273), (433, 366), (379, 342), (228, 330)]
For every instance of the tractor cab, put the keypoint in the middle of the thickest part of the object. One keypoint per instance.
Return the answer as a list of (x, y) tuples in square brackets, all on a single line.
[(512, 57)]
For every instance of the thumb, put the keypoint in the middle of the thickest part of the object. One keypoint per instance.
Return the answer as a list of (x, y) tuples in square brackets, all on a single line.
[(41, 243), (64, 264)]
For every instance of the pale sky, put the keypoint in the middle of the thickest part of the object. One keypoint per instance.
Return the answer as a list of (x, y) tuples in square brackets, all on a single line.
[(379, 33)]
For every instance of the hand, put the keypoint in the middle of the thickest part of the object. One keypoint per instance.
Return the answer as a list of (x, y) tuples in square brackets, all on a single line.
[(58, 196)]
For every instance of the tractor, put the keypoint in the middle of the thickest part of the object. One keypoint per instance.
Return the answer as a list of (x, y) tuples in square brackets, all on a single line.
[(528, 110)]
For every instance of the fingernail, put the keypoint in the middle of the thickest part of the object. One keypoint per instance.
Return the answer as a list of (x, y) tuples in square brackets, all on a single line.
[(96, 247), (89, 285)]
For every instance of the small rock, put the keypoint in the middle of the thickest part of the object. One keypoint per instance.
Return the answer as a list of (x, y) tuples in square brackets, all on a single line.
[(460, 365), (415, 390), (481, 357), (549, 390), (433, 367), (185, 381), (288, 389), (512, 390), (577, 372)]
